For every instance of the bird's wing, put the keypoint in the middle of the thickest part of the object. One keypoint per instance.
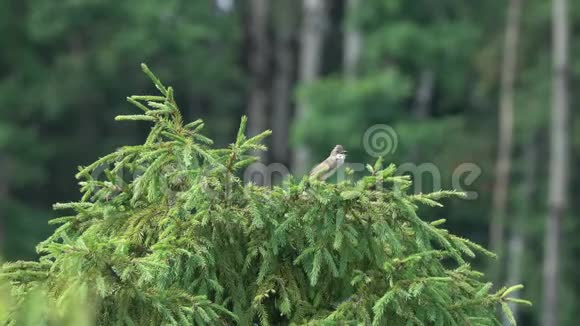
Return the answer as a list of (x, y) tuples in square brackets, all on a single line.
[(319, 170)]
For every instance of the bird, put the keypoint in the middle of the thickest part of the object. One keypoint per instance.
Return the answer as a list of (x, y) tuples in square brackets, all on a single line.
[(328, 167)]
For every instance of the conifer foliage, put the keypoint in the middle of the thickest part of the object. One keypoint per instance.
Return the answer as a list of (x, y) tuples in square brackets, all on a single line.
[(167, 233)]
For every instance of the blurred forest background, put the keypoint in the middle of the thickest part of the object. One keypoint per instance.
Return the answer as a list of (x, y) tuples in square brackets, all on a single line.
[(482, 82)]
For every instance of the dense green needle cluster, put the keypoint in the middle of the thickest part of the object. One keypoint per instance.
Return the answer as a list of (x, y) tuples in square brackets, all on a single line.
[(167, 233)]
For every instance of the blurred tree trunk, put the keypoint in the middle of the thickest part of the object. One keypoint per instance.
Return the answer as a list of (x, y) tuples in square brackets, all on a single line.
[(352, 40), (525, 209), (422, 107), (424, 94), (314, 21), (285, 17), (259, 48), (505, 136), (224, 5), (559, 165)]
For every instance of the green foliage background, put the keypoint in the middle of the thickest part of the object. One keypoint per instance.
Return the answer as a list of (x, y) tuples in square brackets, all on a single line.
[(65, 65)]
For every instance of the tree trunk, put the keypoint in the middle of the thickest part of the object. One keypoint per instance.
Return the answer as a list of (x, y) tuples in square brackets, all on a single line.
[(259, 63), (517, 240), (224, 5), (314, 15), (506, 108), (422, 107), (285, 18), (352, 40), (424, 94), (559, 164)]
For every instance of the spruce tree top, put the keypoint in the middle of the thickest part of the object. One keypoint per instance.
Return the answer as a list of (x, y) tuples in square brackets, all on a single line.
[(167, 233)]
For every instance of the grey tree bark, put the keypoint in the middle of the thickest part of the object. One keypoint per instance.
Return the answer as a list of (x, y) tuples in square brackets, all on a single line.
[(285, 18), (314, 25), (352, 40), (257, 109), (505, 136), (525, 209), (424, 94), (559, 161)]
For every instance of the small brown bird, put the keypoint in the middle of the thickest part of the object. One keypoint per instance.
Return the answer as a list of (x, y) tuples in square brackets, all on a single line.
[(329, 166)]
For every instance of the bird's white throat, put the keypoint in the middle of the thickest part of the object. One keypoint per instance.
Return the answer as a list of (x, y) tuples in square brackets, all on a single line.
[(340, 158)]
